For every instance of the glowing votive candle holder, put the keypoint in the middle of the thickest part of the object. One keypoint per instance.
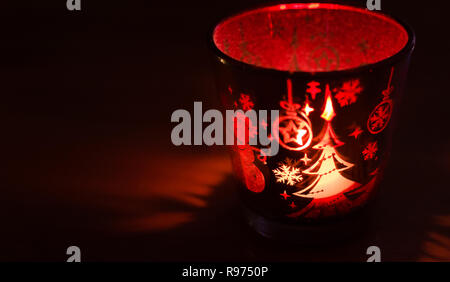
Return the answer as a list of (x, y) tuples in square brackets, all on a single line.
[(335, 73)]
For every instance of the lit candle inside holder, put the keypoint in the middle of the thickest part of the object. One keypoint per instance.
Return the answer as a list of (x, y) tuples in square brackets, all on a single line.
[(335, 73)]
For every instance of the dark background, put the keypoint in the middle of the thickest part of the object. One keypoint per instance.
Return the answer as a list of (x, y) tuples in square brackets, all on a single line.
[(87, 159)]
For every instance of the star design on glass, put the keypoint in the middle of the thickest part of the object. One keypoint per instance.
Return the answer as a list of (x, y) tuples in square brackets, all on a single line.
[(292, 133), (305, 159), (356, 132), (285, 195)]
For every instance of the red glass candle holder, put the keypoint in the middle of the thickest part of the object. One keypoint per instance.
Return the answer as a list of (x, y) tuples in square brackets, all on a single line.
[(335, 73)]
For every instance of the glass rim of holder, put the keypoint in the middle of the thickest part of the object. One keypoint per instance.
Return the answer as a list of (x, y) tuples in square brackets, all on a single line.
[(396, 57), (313, 231)]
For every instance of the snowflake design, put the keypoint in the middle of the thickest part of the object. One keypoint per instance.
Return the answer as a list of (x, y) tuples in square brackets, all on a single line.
[(347, 94), (370, 151), (288, 175), (246, 102)]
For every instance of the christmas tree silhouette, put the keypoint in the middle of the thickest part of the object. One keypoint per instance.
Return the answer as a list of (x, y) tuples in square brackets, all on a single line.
[(329, 181)]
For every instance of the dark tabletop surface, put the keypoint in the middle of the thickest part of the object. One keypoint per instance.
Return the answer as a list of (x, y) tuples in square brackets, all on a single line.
[(86, 151)]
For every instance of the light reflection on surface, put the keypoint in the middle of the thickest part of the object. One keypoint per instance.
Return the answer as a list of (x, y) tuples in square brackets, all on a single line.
[(436, 246), (175, 187)]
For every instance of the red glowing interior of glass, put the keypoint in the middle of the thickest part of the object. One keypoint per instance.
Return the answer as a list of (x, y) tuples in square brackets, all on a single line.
[(310, 37)]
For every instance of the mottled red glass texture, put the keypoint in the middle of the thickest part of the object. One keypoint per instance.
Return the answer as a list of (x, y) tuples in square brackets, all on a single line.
[(310, 37)]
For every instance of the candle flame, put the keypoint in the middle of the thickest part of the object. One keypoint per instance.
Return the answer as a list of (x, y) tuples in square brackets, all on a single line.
[(328, 114)]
